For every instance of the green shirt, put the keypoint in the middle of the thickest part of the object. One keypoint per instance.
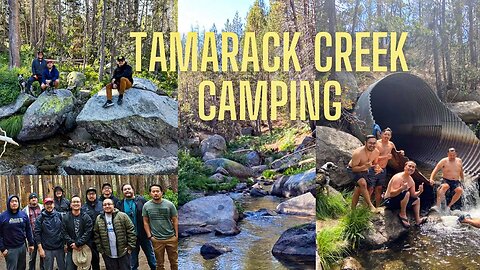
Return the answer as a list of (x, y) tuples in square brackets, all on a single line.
[(160, 217)]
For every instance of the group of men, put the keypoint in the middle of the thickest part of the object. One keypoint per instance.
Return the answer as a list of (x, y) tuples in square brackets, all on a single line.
[(368, 170), (74, 235), (46, 73)]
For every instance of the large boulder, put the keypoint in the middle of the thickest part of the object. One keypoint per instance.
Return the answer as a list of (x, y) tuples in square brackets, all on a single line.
[(113, 161), (213, 147), (233, 168), (385, 229), (295, 185), (148, 85), (23, 100), (468, 111), (46, 115), (303, 205), (336, 146), (297, 243), (144, 118), (76, 79)]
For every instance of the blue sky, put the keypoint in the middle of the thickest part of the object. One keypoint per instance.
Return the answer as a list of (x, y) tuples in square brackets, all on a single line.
[(207, 12)]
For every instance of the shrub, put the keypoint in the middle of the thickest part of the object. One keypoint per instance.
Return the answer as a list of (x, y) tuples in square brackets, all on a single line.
[(330, 206), (269, 174), (355, 223), (171, 196), (12, 125), (9, 88), (331, 247)]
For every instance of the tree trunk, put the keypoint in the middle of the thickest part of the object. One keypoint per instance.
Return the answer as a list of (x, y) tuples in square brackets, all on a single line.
[(471, 35), (102, 45), (436, 61), (14, 33), (33, 25), (355, 15), (332, 23), (445, 48)]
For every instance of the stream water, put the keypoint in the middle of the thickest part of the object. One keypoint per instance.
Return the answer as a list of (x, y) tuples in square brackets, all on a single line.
[(252, 248)]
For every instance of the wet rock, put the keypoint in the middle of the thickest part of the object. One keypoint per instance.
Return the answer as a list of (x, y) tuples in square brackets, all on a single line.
[(246, 131), (113, 161), (256, 192), (241, 186), (227, 227), (384, 230), (263, 212), (144, 119), (212, 250), (76, 79), (394, 265), (233, 168), (214, 145), (468, 111), (297, 242), (23, 100), (46, 115), (351, 263), (336, 146), (198, 230), (29, 169), (291, 186), (303, 205)]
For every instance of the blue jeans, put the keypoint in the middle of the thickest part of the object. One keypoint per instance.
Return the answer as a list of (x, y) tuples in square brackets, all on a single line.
[(147, 248)]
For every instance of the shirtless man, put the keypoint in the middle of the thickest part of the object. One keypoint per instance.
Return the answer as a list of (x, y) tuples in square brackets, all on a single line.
[(467, 219), (401, 195), (378, 181), (363, 158), (452, 170)]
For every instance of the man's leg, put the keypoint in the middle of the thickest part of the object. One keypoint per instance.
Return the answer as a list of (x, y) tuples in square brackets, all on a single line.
[(69, 262), (472, 221), (378, 195), (362, 185), (123, 263), (95, 258), (110, 264), (403, 208), (14, 259), (134, 257), (172, 252), (456, 197), (416, 211), (56, 83), (124, 85), (49, 259), (355, 197), (43, 86), (441, 193), (159, 249), (59, 255), (29, 83), (32, 258), (148, 251), (109, 102)]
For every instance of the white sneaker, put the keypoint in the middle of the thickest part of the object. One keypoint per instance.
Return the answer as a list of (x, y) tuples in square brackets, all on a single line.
[(435, 208)]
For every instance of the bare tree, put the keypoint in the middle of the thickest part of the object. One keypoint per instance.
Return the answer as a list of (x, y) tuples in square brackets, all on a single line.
[(14, 33)]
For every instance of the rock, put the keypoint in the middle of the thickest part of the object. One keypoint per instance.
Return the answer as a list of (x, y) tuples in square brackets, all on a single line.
[(233, 168), (298, 184), (214, 145), (218, 177), (303, 205), (144, 119), (336, 146), (246, 131), (350, 263), (468, 111), (384, 230), (193, 146), (148, 85), (292, 160), (256, 192), (212, 250), (262, 212), (349, 85), (29, 169), (6, 168), (132, 149), (23, 100), (198, 230), (76, 79), (221, 170), (395, 265), (241, 186), (259, 169), (113, 161), (227, 227), (46, 115), (253, 159), (308, 141), (297, 242)]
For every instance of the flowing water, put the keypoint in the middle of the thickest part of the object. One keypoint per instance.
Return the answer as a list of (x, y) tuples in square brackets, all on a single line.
[(252, 248)]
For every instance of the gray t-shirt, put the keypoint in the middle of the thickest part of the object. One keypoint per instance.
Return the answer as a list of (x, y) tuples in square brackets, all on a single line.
[(112, 239), (160, 217)]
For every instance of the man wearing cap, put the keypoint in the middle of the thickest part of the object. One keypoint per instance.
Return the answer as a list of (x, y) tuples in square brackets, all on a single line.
[(77, 229), (50, 77), (49, 237), (33, 211), (62, 205), (132, 206), (14, 229), (108, 194), (122, 80), (38, 66), (115, 237), (92, 208), (161, 225)]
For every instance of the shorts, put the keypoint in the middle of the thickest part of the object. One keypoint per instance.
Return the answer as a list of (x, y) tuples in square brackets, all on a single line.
[(355, 176), (377, 180), (453, 184), (394, 202)]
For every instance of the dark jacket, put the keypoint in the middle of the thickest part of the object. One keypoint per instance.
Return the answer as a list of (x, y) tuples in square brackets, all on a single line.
[(50, 74), (14, 228), (112, 197), (123, 71), (92, 209), (84, 234), (62, 205), (48, 230), (124, 232), (38, 67), (139, 202)]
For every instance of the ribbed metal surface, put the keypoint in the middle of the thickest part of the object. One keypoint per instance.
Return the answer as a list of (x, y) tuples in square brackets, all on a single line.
[(422, 125)]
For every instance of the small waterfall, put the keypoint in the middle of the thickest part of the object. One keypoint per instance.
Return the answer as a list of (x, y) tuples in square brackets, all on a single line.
[(471, 198)]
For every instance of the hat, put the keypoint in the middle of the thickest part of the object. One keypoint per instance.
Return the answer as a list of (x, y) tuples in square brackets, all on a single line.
[(121, 58), (48, 200), (91, 189), (106, 185), (32, 195), (82, 258)]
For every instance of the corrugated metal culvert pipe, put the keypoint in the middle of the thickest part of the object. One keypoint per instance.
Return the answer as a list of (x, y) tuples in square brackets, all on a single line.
[(422, 125)]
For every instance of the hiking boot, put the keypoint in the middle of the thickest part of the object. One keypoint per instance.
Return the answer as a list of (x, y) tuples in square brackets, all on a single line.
[(120, 100), (107, 104)]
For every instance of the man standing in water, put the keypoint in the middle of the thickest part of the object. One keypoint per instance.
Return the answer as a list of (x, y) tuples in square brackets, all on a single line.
[(452, 170), (363, 158)]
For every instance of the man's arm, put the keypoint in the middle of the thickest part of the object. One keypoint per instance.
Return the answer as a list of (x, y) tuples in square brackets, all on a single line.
[(435, 171), (396, 192), (462, 176), (131, 236), (175, 225), (146, 226), (83, 239), (356, 163), (28, 232), (56, 74)]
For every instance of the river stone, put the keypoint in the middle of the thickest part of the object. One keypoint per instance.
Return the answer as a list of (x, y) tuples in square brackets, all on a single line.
[(29, 169), (262, 212), (295, 185), (291, 160), (209, 210), (227, 227), (384, 230), (297, 242), (468, 111), (233, 168), (113, 161), (46, 115), (212, 250), (336, 146), (144, 119), (213, 147), (198, 230), (303, 205), (351, 263), (23, 100), (256, 192), (76, 79)]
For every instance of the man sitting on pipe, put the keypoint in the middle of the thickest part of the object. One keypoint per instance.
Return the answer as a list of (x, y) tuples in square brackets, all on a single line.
[(452, 170)]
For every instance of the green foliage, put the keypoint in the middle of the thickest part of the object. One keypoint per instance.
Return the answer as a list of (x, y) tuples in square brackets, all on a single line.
[(239, 207), (12, 125), (166, 81), (184, 195), (269, 174), (287, 142), (298, 170), (331, 246), (171, 196), (242, 159), (9, 87), (355, 223), (330, 206)]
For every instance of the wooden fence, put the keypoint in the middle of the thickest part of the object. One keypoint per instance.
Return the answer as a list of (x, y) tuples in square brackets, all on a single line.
[(23, 185)]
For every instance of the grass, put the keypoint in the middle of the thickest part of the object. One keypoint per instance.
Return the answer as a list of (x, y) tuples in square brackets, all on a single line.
[(269, 174), (242, 159), (354, 223), (330, 206), (298, 170), (331, 246), (12, 125)]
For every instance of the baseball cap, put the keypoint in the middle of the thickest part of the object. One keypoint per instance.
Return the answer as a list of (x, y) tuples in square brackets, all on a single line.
[(48, 200), (33, 195)]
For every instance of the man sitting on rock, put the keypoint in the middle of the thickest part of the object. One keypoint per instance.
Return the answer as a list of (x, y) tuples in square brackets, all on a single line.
[(50, 77), (122, 80), (401, 195), (38, 66)]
